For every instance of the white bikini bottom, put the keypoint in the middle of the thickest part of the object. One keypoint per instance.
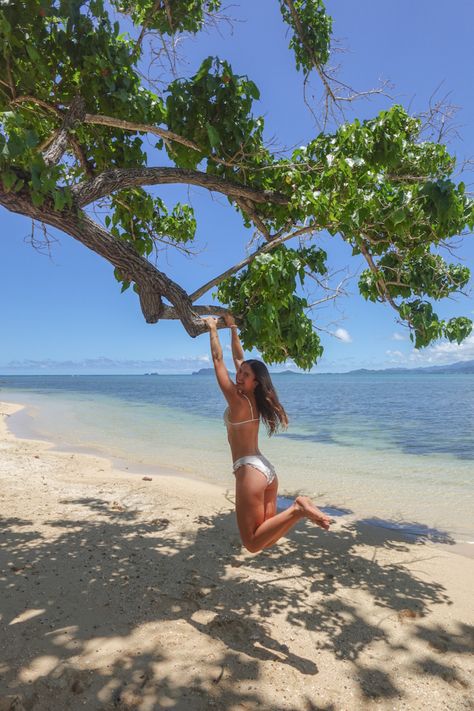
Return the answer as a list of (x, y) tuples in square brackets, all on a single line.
[(257, 461)]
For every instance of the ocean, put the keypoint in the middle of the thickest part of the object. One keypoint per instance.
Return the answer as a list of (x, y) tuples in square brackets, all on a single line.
[(394, 449)]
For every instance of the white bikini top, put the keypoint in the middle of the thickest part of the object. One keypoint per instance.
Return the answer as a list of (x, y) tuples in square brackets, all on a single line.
[(243, 422)]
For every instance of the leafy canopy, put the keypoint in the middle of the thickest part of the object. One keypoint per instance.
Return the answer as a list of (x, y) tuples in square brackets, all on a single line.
[(376, 184)]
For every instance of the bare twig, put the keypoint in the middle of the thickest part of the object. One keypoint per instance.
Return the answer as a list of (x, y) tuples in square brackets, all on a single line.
[(25, 98), (42, 244), (267, 247), (381, 286), (11, 84), (139, 41), (301, 33), (248, 209), (80, 155), (364, 94), (437, 119)]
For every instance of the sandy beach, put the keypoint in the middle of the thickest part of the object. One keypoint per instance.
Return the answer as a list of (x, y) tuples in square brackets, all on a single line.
[(119, 592)]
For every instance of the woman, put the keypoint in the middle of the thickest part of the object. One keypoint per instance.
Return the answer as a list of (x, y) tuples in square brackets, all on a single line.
[(250, 399)]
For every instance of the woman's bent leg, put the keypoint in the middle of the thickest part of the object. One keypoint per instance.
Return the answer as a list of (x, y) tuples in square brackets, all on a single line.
[(270, 499), (270, 504), (257, 531)]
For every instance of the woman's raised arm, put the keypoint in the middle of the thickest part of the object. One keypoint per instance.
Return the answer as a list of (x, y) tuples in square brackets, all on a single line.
[(225, 383), (237, 350)]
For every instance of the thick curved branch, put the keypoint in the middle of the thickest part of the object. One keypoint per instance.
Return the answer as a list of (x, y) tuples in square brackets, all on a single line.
[(151, 283), (151, 304), (119, 179), (171, 313)]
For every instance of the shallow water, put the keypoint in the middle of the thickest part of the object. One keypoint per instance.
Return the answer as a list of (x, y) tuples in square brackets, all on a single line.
[(394, 449)]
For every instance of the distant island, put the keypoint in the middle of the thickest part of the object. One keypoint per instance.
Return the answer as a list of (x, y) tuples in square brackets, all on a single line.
[(207, 371), (466, 366), (288, 372), (210, 371)]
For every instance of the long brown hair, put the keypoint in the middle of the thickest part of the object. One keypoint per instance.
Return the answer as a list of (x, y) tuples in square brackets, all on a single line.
[(270, 409)]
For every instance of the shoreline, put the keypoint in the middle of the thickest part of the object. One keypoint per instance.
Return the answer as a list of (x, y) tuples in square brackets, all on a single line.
[(119, 593), (23, 431), (437, 536)]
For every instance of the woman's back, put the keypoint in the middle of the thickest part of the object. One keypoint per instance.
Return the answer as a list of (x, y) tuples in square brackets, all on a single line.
[(242, 424)]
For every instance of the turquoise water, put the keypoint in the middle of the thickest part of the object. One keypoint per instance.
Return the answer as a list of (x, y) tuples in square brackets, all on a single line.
[(398, 447)]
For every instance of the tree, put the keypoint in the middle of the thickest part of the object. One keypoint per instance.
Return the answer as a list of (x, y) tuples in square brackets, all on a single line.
[(76, 110)]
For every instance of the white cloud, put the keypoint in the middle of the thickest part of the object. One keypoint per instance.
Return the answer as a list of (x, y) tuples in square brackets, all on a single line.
[(395, 356), (185, 364), (442, 353), (398, 337), (446, 352), (343, 335)]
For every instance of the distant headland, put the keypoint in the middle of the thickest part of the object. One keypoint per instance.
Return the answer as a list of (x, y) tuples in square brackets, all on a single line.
[(466, 366), (463, 367)]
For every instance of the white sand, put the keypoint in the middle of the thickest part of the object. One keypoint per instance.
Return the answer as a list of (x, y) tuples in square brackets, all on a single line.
[(120, 593)]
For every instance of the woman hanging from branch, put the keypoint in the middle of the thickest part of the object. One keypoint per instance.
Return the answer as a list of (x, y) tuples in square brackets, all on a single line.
[(250, 399)]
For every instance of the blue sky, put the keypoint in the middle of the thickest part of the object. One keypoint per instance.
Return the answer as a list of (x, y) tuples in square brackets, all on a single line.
[(63, 311)]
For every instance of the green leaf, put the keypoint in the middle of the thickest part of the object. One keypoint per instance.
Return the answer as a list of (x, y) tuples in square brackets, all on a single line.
[(32, 53), (253, 90), (8, 179), (60, 200), (214, 138)]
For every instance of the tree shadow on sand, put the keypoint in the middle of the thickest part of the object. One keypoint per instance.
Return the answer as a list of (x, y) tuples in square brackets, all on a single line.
[(101, 581)]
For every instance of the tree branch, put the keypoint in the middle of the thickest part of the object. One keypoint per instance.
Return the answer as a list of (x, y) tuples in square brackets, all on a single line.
[(171, 313), (24, 98), (151, 283), (237, 267), (300, 30), (11, 83), (247, 208), (168, 14), (139, 41), (113, 122), (146, 128), (119, 179), (381, 286), (57, 147), (81, 156), (142, 127)]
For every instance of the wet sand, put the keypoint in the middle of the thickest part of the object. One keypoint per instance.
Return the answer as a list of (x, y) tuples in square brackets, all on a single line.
[(119, 592)]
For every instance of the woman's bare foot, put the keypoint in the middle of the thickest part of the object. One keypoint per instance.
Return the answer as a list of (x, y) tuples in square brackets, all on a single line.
[(309, 510)]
